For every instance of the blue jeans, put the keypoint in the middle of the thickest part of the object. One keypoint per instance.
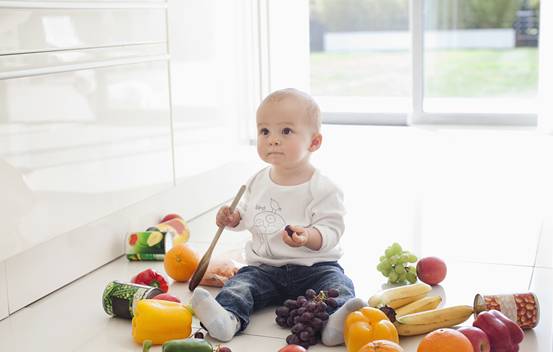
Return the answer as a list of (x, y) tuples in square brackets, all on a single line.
[(256, 287)]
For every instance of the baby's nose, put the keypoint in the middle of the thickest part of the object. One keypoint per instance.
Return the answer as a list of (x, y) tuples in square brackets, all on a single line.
[(274, 141)]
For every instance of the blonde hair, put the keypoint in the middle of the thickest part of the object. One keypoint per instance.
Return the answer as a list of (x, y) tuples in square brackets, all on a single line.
[(312, 110)]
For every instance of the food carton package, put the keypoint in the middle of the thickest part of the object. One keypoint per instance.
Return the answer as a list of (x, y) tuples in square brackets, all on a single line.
[(223, 267)]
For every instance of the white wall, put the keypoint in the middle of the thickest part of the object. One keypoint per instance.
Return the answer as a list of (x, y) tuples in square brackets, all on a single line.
[(211, 86), (288, 44), (101, 134)]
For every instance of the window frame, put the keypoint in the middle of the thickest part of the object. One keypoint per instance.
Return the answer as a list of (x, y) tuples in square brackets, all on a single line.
[(416, 115), (419, 116)]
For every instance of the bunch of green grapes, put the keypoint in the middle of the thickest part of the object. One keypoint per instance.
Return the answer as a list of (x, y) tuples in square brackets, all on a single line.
[(395, 265)]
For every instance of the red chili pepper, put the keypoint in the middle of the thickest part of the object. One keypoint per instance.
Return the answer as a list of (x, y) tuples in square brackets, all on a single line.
[(150, 277)]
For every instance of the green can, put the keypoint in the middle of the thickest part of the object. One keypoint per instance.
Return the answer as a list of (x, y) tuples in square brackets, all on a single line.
[(148, 245), (119, 298)]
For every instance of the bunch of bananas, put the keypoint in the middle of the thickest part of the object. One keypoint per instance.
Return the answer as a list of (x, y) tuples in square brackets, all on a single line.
[(415, 312)]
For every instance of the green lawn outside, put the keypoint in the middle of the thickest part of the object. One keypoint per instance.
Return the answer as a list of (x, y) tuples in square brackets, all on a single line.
[(449, 73)]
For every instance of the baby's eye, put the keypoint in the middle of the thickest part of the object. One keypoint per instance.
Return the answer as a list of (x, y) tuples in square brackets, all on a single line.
[(264, 131), (286, 130)]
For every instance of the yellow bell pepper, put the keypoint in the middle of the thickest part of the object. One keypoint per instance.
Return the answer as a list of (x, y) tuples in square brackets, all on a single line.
[(160, 321), (366, 325)]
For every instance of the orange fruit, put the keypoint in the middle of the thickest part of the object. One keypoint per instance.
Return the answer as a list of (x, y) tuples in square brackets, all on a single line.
[(381, 346), (445, 340), (180, 262)]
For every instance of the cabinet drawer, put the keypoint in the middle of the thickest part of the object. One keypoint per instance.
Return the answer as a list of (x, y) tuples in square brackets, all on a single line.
[(82, 144), (24, 30)]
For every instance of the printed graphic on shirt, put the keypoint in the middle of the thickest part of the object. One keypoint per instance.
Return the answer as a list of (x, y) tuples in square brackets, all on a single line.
[(268, 221)]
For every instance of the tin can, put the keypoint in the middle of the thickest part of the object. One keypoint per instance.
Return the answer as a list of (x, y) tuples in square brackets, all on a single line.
[(119, 298), (148, 245), (522, 308)]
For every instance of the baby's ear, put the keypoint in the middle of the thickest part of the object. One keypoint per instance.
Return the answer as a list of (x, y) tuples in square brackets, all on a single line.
[(316, 142)]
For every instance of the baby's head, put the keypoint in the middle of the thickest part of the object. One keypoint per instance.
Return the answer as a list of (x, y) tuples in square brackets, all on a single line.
[(306, 109), (288, 126)]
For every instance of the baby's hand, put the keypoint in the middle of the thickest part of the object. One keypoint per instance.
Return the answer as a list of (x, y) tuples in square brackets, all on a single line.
[(298, 238), (226, 218)]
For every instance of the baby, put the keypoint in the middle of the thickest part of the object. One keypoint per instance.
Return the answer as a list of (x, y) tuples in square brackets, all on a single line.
[(288, 192)]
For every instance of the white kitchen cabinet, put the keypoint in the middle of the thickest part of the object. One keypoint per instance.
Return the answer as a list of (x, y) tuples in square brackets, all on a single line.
[(24, 30), (4, 312), (101, 134)]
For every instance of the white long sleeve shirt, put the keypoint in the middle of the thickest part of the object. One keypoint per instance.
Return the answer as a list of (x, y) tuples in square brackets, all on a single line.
[(266, 208)]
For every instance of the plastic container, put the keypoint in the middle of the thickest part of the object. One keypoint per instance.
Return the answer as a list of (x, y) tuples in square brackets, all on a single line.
[(148, 245), (176, 226)]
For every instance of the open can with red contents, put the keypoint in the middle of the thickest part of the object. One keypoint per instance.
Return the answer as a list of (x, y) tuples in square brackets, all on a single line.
[(522, 308)]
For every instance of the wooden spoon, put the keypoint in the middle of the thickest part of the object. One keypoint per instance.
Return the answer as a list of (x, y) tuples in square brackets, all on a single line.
[(202, 266)]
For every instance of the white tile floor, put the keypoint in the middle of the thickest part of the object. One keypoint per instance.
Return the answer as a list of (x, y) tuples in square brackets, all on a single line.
[(480, 199)]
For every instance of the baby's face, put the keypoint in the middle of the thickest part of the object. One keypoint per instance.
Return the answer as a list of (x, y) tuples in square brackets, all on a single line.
[(284, 133)]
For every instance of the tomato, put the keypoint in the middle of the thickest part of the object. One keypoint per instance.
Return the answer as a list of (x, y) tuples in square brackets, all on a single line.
[(166, 297)]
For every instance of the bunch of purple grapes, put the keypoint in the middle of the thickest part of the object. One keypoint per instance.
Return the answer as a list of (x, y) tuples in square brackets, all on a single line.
[(306, 316)]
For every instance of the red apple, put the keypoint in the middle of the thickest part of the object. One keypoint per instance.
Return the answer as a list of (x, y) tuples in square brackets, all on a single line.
[(171, 216), (167, 297), (431, 270), (292, 348), (478, 338)]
